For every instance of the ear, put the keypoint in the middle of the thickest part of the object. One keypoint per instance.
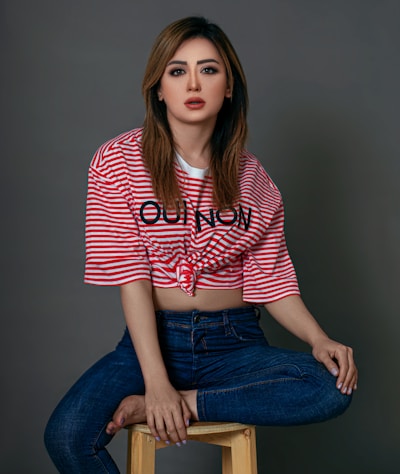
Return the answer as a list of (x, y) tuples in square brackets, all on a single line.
[(228, 93), (160, 96)]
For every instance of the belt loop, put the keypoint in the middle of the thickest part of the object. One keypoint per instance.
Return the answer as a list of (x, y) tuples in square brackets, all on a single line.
[(227, 326), (258, 312)]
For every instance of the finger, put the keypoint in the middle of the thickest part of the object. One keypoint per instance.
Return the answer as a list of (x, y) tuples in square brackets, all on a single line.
[(174, 428), (152, 426), (329, 363), (348, 371), (343, 363), (180, 426), (165, 428), (187, 414), (350, 380)]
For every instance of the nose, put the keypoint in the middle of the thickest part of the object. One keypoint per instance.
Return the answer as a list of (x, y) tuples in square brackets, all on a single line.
[(193, 83)]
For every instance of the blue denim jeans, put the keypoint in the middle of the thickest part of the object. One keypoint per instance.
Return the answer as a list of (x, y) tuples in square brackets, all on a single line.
[(224, 355)]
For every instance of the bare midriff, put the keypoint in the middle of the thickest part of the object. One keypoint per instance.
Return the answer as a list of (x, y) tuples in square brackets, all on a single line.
[(174, 299)]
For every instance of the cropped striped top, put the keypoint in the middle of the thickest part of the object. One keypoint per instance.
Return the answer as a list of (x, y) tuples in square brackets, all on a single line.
[(131, 236)]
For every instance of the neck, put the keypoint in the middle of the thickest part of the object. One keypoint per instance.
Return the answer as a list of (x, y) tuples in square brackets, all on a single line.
[(192, 142)]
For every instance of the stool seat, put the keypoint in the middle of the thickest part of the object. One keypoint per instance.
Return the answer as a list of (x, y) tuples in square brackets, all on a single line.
[(238, 442)]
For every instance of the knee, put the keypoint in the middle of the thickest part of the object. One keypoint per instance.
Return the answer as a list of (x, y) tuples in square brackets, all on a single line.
[(333, 404), (329, 402), (58, 438), (340, 403), (65, 441)]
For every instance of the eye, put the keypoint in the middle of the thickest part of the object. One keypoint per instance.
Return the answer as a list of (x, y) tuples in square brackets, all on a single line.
[(209, 70), (176, 72)]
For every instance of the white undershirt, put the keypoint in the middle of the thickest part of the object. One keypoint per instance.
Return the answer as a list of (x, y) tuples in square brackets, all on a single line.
[(193, 172)]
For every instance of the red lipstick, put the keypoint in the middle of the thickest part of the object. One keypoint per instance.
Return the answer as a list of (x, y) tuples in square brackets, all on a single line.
[(194, 103)]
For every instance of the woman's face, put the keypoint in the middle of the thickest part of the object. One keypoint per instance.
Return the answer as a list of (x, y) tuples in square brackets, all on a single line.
[(194, 84)]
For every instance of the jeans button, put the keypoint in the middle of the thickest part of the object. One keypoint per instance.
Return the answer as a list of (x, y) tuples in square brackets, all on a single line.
[(197, 318)]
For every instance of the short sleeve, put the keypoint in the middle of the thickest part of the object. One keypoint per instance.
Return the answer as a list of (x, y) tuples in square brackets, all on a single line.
[(115, 253), (268, 271)]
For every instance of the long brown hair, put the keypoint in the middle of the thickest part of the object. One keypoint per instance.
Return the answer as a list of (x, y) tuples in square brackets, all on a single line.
[(230, 132)]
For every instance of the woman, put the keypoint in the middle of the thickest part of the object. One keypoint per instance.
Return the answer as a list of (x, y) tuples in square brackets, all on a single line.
[(190, 226)]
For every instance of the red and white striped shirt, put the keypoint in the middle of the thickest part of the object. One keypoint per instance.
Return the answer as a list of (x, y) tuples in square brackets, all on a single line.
[(131, 236)]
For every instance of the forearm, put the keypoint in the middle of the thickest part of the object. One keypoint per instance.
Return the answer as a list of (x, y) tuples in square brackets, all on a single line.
[(294, 316), (166, 412), (138, 307)]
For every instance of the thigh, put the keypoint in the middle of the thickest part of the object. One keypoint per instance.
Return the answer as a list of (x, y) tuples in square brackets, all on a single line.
[(269, 386), (237, 352), (257, 362)]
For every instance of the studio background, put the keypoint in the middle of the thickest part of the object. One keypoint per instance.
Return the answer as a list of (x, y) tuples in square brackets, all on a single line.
[(323, 81)]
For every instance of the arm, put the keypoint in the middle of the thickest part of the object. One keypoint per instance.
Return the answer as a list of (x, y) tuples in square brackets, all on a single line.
[(165, 409), (111, 224), (293, 315)]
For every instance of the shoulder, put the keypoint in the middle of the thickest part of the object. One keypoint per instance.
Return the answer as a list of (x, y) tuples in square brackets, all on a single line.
[(125, 146), (254, 177)]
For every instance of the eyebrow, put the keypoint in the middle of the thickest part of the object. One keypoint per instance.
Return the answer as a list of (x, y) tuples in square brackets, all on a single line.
[(202, 61)]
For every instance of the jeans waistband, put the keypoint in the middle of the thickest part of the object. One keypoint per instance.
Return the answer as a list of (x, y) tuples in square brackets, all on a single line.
[(197, 316)]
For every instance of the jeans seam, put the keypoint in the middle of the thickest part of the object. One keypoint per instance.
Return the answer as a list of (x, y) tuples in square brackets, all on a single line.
[(95, 451), (260, 372), (253, 384)]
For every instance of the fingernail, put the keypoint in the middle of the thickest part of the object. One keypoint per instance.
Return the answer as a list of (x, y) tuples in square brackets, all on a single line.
[(187, 422), (184, 441), (167, 442), (178, 444), (334, 372), (344, 390), (349, 391), (340, 386), (122, 421), (158, 438)]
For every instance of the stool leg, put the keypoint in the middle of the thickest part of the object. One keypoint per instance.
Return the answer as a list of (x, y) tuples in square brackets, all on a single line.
[(243, 452), (226, 460), (141, 453)]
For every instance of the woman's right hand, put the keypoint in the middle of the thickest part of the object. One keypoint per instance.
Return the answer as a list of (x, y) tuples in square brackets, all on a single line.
[(167, 413)]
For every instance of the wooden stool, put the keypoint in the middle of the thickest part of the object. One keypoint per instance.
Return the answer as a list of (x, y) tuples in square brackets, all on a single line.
[(238, 443)]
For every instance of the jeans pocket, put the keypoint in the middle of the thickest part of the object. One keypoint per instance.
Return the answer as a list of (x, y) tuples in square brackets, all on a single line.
[(247, 330)]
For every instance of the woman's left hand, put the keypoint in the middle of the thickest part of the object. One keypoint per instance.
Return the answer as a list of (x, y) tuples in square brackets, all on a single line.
[(339, 360), (293, 315)]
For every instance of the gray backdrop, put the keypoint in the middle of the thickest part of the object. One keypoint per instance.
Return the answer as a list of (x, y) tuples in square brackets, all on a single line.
[(323, 80)]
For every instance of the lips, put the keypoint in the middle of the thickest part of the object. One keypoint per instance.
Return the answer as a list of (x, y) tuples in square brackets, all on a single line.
[(194, 103), (195, 100)]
